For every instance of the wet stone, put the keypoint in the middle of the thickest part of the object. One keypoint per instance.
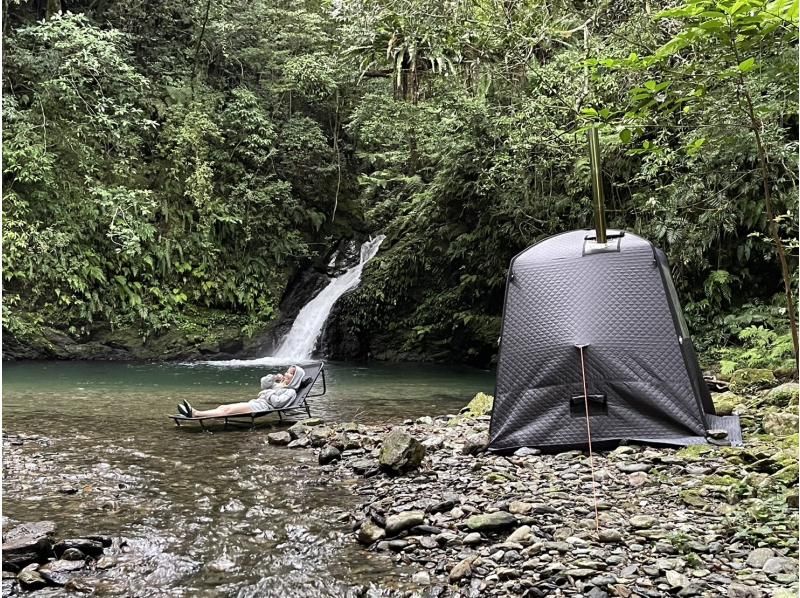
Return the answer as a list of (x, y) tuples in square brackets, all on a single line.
[(402, 521), (279, 438), (30, 579), (369, 533), (329, 454)]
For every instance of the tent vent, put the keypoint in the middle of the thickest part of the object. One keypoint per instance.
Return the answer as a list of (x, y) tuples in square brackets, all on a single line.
[(598, 405)]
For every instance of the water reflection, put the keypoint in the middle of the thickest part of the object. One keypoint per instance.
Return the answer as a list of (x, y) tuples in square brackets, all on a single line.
[(221, 514)]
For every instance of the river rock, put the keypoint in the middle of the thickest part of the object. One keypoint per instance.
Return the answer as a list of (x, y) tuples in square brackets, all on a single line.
[(364, 467), (329, 454), (279, 438), (461, 570), (521, 535), (472, 538), (725, 403), (402, 521), (88, 547), (369, 533), (82, 585), (642, 521), (758, 557), (298, 430), (637, 479), (475, 444), (491, 522), (30, 579), (27, 543), (634, 467), (73, 554), (780, 423), (751, 377), (738, 590), (58, 572), (677, 580), (422, 578), (319, 435), (400, 452), (433, 443), (783, 395), (609, 536), (780, 564), (312, 421), (302, 442)]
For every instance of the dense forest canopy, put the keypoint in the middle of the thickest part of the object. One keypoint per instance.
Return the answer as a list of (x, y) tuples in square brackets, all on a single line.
[(167, 163)]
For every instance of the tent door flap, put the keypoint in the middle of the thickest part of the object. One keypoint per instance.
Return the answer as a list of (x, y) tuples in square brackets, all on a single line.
[(598, 405)]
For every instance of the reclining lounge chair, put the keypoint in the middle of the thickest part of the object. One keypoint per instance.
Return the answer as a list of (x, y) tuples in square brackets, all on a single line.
[(313, 372)]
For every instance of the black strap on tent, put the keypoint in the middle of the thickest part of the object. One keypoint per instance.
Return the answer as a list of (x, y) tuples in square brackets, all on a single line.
[(589, 435)]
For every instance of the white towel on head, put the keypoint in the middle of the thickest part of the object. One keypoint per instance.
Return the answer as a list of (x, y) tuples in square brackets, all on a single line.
[(299, 373)]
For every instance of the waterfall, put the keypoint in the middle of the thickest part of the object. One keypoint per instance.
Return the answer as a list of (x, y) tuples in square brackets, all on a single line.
[(298, 345)]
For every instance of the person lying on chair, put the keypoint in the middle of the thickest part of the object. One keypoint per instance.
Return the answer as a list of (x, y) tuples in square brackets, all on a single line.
[(276, 392)]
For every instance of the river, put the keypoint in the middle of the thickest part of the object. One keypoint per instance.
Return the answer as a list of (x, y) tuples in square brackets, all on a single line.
[(222, 514)]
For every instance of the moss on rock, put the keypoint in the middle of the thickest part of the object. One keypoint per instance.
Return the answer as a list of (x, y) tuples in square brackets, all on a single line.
[(726, 403), (784, 395), (481, 404), (694, 452), (751, 378)]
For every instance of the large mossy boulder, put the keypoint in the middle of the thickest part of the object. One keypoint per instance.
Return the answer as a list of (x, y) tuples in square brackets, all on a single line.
[(779, 423), (751, 378), (400, 452), (481, 404), (784, 395), (725, 403)]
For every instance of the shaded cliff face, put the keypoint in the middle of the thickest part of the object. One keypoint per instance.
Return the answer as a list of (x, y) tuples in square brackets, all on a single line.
[(304, 286)]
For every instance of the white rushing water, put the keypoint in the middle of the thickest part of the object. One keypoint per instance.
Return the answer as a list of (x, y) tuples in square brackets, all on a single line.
[(298, 345)]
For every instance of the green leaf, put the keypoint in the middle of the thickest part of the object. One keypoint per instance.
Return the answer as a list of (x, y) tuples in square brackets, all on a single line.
[(625, 135), (747, 65)]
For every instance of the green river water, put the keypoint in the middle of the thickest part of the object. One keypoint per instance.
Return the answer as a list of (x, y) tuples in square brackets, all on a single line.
[(89, 446)]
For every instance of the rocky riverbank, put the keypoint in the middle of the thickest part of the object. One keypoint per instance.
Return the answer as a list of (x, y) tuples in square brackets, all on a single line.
[(700, 521)]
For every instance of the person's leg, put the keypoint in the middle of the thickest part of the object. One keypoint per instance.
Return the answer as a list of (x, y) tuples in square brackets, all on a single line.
[(224, 410)]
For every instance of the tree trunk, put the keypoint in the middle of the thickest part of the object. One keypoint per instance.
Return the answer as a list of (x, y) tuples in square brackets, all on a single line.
[(53, 8), (772, 223)]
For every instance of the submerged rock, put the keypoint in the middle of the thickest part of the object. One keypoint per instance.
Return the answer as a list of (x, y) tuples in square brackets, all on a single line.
[(369, 533)]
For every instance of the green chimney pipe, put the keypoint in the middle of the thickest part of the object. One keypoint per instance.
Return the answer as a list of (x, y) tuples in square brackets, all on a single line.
[(597, 185)]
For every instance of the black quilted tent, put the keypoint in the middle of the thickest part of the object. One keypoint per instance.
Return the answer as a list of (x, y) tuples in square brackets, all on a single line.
[(612, 306)]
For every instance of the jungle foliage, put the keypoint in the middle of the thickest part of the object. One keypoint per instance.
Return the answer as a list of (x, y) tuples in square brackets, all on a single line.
[(159, 156)]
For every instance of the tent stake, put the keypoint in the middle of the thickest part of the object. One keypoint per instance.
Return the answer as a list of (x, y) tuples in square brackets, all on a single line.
[(589, 434)]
